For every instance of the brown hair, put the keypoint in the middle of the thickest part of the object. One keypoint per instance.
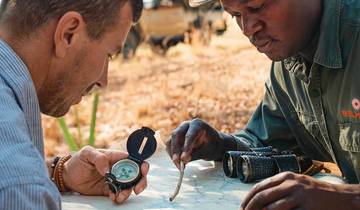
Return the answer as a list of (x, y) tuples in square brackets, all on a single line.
[(23, 17)]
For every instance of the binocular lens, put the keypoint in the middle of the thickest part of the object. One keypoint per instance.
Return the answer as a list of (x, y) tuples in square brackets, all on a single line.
[(252, 168), (230, 160), (261, 163), (230, 166)]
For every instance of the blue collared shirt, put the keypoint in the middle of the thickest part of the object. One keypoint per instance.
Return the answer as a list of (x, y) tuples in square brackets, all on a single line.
[(24, 181)]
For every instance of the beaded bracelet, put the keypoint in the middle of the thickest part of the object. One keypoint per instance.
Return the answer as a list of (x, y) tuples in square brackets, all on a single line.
[(58, 173), (53, 164)]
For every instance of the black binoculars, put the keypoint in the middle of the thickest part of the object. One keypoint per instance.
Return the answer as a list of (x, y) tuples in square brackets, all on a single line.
[(261, 163)]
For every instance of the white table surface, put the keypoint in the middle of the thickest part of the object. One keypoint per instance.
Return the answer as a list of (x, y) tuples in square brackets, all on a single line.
[(204, 187)]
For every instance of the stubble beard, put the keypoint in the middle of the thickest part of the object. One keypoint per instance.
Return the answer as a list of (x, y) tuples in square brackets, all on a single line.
[(52, 99)]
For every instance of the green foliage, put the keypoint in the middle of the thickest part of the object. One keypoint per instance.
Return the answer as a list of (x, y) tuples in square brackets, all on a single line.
[(67, 135), (93, 120), (76, 143)]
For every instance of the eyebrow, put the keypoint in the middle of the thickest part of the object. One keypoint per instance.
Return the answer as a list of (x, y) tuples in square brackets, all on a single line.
[(241, 1)]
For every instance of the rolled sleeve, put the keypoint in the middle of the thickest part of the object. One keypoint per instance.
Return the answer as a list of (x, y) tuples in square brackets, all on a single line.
[(267, 126)]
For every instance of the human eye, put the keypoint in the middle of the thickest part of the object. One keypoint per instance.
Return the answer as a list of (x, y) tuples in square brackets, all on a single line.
[(235, 15), (110, 56), (257, 8), (114, 55)]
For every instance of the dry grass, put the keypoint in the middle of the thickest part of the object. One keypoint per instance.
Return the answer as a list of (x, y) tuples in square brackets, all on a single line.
[(222, 84)]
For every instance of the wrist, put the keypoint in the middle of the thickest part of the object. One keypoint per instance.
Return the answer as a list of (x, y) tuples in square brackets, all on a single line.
[(67, 177), (58, 174), (50, 164), (229, 142)]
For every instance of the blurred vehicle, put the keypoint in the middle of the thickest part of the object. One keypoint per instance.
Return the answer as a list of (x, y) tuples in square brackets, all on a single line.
[(165, 23)]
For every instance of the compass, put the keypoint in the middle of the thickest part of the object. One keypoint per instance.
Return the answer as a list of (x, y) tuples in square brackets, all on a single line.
[(126, 173)]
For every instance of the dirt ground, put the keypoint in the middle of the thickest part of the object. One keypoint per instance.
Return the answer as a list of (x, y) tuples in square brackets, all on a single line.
[(222, 84)]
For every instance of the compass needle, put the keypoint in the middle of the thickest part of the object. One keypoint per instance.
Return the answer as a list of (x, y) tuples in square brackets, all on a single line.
[(178, 186)]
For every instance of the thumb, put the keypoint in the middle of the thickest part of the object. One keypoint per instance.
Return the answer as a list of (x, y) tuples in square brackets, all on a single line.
[(96, 158), (101, 162)]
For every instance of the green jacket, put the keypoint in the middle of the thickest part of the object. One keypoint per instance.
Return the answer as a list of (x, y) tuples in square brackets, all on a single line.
[(315, 109)]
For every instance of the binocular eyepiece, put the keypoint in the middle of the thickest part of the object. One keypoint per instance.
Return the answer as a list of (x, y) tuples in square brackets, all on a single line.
[(261, 163)]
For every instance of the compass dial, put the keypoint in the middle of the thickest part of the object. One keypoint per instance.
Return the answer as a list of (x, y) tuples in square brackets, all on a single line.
[(125, 171)]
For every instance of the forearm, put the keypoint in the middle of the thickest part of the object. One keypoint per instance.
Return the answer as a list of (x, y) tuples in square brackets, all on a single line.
[(350, 193), (229, 142), (267, 126)]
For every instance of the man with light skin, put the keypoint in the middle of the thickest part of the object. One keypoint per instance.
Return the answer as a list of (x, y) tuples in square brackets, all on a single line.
[(52, 53), (311, 105)]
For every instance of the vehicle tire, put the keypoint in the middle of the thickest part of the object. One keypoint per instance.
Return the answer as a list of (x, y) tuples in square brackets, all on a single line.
[(206, 32), (132, 42), (156, 45), (201, 31)]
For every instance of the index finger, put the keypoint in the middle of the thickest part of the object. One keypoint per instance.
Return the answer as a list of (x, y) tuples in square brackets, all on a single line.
[(104, 159), (263, 185), (177, 142), (100, 159), (115, 155), (272, 197), (121, 197), (142, 184), (192, 137)]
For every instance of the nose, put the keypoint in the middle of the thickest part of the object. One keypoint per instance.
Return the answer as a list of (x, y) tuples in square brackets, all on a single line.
[(249, 24), (103, 81)]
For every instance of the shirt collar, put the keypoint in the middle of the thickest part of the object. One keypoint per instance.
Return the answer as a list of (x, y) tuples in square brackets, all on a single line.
[(14, 69), (328, 52)]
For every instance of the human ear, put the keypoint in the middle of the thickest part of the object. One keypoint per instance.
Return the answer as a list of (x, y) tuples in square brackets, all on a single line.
[(67, 32)]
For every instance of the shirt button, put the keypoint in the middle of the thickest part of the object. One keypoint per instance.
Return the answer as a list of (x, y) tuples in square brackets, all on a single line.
[(314, 93)]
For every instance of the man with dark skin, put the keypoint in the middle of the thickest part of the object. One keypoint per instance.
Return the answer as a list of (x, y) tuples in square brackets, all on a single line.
[(311, 104), (52, 53)]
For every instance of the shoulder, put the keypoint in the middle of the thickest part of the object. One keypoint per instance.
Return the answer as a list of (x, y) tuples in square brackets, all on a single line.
[(11, 113), (20, 161)]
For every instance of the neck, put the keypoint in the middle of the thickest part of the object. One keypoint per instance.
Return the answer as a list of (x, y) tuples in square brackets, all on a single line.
[(33, 53), (309, 52)]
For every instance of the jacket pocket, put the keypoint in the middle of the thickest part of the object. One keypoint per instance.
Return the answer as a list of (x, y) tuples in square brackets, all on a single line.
[(350, 136)]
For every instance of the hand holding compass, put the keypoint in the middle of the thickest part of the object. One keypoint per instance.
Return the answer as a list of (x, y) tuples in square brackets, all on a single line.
[(84, 173), (126, 173)]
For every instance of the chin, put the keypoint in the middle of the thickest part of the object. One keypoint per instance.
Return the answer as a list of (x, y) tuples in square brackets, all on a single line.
[(279, 52), (277, 57), (55, 111)]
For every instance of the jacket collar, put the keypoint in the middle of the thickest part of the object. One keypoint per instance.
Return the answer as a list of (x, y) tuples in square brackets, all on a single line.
[(328, 52)]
